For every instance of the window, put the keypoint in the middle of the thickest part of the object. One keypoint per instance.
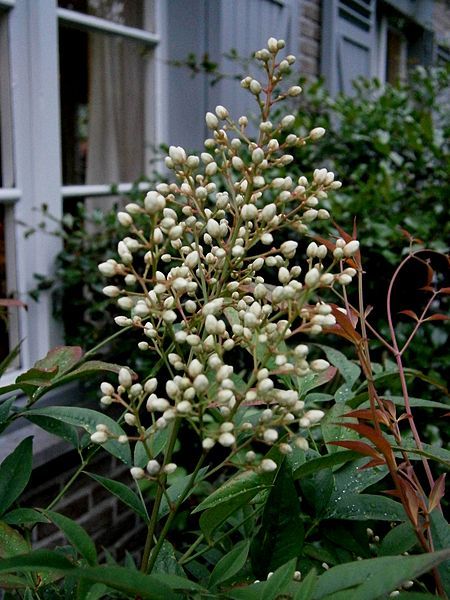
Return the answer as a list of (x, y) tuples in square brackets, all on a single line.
[(79, 118), (9, 331)]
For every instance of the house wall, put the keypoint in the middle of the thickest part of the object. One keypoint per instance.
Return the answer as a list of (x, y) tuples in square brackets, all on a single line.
[(441, 21), (109, 522), (310, 37)]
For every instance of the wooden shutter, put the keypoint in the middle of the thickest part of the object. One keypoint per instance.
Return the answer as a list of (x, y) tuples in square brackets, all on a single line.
[(348, 42)]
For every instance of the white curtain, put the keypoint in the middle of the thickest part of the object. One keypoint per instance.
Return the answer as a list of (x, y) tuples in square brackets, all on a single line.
[(116, 102)]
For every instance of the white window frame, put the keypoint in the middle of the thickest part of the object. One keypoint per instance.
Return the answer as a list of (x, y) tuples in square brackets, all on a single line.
[(36, 141)]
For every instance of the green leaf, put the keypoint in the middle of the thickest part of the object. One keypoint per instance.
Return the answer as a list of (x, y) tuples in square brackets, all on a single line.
[(124, 493), (243, 483), (350, 372), (307, 587), (429, 451), (9, 359), (373, 578), (359, 507), (55, 427), (11, 542), (148, 587), (61, 357), (325, 462), (177, 490), (88, 369), (230, 564), (414, 402), (318, 488), (166, 562), (178, 583), (88, 419), (279, 581), (333, 430), (157, 442), (353, 479), (24, 516), (212, 518), (13, 480), (399, 540), (281, 534), (76, 535), (5, 409), (440, 531)]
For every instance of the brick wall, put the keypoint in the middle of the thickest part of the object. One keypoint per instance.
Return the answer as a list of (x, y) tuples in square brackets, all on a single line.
[(310, 37), (110, 523)]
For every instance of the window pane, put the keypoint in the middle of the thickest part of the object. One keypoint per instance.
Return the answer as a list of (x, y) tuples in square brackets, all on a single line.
[(4, 337), (102, 80), (125, 12)]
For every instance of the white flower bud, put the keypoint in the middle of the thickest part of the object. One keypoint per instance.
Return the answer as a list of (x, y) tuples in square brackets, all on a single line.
[(314, 415), (226, 439), (351, 248), (287, 121), (344, 279), (112, 291), (319, 365), (208, 443), (312, 277), (255, 87), (268, 465), (107, 389), (177, 154), (270, 436), (170, 468), (301, 443), (316, 133), (125, 378), (272, 45), (294, 90), (130, 419), (124, 219), (153, 467), (184, 407), (99, 437), (211, 120), (137, 472)]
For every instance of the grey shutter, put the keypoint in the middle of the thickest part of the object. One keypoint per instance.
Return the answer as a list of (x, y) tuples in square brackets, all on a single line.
[(348, 42), (246, 25), (213, 28)]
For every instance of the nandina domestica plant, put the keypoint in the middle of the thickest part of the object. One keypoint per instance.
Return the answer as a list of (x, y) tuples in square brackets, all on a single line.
[(234, 460)]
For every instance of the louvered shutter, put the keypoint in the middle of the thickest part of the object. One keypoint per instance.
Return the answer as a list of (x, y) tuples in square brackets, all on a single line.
[(213, 28), (348, 42), (246, 25)]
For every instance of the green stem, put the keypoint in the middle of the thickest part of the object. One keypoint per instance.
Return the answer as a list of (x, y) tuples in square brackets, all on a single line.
[(159, 495), (172, 515), (191, 549), (57, 498)]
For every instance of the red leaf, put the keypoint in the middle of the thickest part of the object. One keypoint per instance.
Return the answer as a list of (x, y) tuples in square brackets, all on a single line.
[(376, 462), (437, 493), (12, 302), (377, 439), (344, 235), (360, 447), (367, 415), (445, 290), (409, 313), (437, 318)]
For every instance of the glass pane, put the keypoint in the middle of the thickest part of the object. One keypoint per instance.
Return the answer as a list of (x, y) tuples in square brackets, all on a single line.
[(102, 80), (4, 337), (125, 12)]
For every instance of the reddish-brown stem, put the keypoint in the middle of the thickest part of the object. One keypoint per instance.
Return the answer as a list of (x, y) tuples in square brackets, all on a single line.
[(401, 370)]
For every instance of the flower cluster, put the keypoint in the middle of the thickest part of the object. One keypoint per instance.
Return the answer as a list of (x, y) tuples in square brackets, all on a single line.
[(214, 275)]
